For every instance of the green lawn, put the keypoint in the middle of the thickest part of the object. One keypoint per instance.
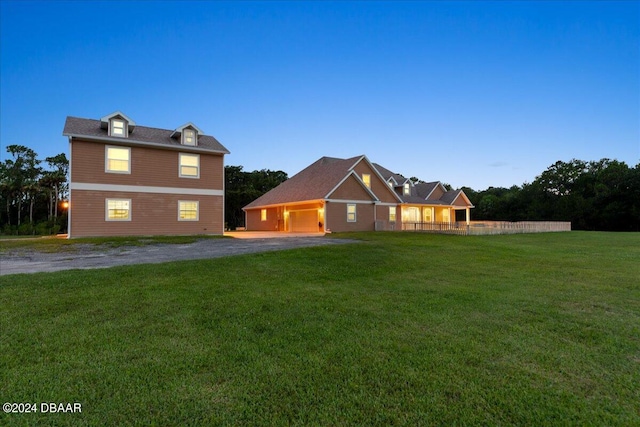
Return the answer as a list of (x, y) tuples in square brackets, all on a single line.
[(402, 329)]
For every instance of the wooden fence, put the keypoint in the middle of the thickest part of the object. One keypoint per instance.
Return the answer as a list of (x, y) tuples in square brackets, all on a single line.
[(507, 227), (476, 227)]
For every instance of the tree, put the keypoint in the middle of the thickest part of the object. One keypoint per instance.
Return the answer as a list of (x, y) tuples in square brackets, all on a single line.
[(241, 188)]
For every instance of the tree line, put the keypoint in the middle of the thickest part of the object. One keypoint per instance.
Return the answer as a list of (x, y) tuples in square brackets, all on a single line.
[(31, 196), (593, 195), (596, 195)]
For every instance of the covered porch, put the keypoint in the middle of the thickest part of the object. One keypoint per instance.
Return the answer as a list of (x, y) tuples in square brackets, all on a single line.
[(434, 218)]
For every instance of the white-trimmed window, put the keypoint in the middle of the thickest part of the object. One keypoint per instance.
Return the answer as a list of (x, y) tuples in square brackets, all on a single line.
[(189, 137), (366, 178), (351, 212), (188, 210), (189, 165), (446, 215), (406, 189), (117, 159), (118, 128), (117, 209), (426, 215), (392, 214), (263, 214)]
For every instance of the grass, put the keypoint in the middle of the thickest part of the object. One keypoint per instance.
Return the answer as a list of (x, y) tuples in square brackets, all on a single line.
[(60, 244), (402, 328)]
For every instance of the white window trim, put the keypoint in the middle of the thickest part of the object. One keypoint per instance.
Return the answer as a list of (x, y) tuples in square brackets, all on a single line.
[(106, 210), (125, 128), (180, 166), (406, 189), (355, 212), (106, 159), (184, 137), (197, 218)]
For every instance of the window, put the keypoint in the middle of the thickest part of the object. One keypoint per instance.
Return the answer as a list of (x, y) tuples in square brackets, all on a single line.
[(366, 178), (263, 215), (351, 212), (118, 128), (446, 215), (189, 137), (117, 160), (118, 209), (392, 214), (407, 189), (187, 210), (189, 165), (390, 184), (427, 215)]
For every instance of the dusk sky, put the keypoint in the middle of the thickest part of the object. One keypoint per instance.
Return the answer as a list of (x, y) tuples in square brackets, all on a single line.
[(473, 94)]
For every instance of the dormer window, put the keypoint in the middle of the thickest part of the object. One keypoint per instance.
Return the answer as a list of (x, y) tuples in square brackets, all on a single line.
[(118, 128), (189, 137), (406, 189), (117, 124)]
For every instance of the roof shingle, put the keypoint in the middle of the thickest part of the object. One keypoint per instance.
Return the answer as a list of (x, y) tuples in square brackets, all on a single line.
[(89, 128)]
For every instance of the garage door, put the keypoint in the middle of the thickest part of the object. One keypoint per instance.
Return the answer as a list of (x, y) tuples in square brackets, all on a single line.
[(304, 221)]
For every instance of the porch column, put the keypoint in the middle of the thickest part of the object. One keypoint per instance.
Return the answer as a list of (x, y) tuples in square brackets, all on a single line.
[(467, 215)]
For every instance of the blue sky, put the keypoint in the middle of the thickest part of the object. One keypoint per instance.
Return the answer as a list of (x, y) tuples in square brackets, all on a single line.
[(470, 93)]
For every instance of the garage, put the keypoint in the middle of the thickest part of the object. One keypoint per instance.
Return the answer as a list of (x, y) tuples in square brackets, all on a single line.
[(305, 221)]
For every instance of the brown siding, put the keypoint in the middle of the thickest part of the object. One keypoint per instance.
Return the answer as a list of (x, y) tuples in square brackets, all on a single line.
[(436, 194), (351, 189), (149, 167), (380, 188), (254, 222), (336, 217), (151, 214)]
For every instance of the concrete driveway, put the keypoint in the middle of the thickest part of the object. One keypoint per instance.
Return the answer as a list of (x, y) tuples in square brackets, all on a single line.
[(84, 256)]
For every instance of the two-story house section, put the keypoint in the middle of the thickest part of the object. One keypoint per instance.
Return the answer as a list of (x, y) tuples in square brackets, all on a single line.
[(130, 180)]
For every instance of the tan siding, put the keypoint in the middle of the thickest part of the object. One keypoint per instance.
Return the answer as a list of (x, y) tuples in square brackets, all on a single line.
[(436, 194), (379, 187), (350, 189), (336, 217), (150, 214), (149, 167)]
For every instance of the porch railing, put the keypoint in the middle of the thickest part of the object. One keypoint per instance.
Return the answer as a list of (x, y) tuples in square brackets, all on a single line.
[(437, 227)]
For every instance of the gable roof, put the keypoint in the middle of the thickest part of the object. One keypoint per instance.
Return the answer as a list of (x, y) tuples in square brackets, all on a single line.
[(92, 130), (315, 182), (320, 179)]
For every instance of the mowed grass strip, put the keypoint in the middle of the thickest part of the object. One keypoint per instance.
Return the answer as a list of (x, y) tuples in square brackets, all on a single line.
[(402, 328)]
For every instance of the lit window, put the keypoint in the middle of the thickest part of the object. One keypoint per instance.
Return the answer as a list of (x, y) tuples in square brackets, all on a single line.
[(187, 211), (117, 128), (351, 212), (118, 209), (263, 215), (117, 159), (427, 215), (366, 178), (407, 189), (446, 217), (189, 137), (392, 214), (390, 184), (189, 165)]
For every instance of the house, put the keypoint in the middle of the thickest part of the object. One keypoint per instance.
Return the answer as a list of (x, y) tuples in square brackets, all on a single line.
[(354, 195), (129, 180)]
